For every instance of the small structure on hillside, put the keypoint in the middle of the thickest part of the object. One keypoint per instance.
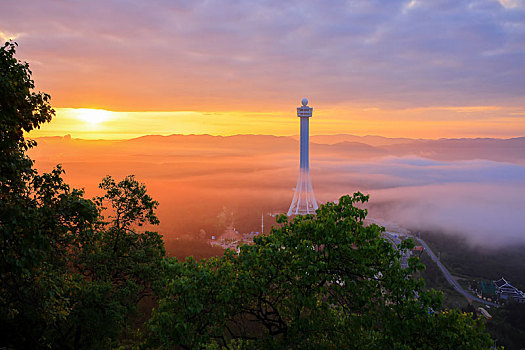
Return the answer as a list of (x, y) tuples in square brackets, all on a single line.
[(505, 291)]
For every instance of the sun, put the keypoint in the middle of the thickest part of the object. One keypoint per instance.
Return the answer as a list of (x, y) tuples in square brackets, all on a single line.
[(92, 116)]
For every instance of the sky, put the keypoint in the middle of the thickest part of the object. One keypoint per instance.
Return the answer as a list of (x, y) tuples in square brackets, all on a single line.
[(412, 68)]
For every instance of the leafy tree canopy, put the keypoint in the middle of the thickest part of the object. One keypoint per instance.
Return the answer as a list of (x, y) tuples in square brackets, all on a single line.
[(324, 281), (21, 109)]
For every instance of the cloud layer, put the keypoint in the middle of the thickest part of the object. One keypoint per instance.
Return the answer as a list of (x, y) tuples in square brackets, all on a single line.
[(195, 55), (480, 200), (195, 177)]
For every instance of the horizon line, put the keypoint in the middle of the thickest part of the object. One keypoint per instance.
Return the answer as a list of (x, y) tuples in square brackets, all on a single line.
[(65, 136)]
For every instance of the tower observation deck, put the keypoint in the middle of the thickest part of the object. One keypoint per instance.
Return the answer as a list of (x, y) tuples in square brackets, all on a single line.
[(304, 200)]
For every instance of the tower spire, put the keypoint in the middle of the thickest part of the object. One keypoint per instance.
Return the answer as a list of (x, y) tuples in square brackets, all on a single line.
[(304, 200)]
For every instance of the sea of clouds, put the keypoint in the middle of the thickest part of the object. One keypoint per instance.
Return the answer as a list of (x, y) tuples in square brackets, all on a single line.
[(479, 199)]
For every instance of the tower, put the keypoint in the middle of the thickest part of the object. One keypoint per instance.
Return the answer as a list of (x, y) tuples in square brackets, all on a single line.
[(304, 200)]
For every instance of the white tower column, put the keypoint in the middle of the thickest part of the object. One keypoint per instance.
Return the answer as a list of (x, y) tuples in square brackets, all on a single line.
[(304, 200)]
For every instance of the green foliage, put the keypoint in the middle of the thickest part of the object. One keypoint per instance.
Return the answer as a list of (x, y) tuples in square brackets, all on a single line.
[(324, 281), (116, 268), (68, 277), (21, 109), (32, 210), (88, 275), (129, 201)]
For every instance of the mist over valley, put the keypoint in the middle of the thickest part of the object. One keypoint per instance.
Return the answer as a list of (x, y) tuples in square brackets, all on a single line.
[(468, 187)]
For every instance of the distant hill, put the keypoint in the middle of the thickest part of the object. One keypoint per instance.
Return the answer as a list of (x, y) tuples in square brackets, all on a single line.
[(343, 146), (372, 140)]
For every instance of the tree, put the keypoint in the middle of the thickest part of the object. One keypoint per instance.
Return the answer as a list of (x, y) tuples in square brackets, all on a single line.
[(32, 211), (69, 278), (116, 267), (324, 281), (21, 110)]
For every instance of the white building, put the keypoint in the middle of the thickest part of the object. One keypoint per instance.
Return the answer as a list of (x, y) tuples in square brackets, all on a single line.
[(505, 291)]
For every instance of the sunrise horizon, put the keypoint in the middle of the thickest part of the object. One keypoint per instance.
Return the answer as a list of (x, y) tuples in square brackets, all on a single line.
[(91, 123), (294, 136), (402, 69)]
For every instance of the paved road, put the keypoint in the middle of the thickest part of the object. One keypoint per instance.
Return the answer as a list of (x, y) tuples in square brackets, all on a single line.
[(449, 277), (394, 238)]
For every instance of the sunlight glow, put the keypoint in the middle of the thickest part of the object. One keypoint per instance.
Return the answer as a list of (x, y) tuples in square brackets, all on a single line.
[(92, 116), (7, 36), (440, 121)]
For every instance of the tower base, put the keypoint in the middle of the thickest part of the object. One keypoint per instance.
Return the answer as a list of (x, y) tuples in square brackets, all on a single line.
[(303, 200)]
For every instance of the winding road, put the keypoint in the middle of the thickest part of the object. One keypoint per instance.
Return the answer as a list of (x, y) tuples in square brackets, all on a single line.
[(449, 277)]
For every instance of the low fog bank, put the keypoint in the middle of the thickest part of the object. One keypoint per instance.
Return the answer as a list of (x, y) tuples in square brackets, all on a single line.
[(205, 183), (478, 199), (486, 215)]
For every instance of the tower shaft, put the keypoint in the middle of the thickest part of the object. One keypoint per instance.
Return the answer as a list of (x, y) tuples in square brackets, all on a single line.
[(305, 143), (304, 200)]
